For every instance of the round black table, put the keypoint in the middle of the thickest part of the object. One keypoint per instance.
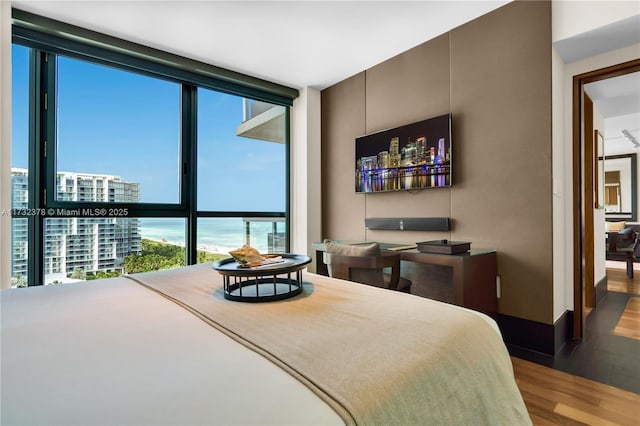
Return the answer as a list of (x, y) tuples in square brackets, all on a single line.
[(265, 283)]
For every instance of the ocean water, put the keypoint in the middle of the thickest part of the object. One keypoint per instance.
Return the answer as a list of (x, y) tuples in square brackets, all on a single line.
[(217, 235)]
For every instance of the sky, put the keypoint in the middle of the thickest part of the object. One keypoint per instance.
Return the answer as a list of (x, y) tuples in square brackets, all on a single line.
[(120, 123)]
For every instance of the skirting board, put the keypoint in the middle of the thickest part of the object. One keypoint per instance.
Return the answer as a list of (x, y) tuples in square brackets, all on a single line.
[(537, 336), (408, 224), (601, 289)]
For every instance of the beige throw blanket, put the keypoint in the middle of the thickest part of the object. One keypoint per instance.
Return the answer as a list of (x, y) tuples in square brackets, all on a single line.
[(377, 357)]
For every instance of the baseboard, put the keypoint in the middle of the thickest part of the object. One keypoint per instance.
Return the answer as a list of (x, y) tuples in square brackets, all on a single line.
[(537, 336), (601, 289), (563, 330)]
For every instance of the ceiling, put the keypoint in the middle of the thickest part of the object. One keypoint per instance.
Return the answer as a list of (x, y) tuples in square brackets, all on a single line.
[(618, 101), (294, 43), (600, 40)]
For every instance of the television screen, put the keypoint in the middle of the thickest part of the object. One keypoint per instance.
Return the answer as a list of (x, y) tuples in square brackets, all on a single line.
[(414, 156)]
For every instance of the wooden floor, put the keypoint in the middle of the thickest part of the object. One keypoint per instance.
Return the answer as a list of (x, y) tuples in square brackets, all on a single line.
[(618, 281), (629, 324), (554, 397)]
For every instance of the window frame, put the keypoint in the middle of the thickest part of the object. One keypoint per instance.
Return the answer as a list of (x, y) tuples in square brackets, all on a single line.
[(47, 39)]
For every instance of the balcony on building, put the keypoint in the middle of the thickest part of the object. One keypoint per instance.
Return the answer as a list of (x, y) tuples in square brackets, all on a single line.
[(262, 121)]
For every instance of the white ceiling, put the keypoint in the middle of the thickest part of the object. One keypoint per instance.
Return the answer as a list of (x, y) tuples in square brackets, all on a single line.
[(618, 100), (600, 40), (295, 43), (616, 96)]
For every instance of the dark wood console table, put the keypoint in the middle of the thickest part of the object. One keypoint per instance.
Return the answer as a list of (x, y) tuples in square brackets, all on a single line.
[(467, 279)]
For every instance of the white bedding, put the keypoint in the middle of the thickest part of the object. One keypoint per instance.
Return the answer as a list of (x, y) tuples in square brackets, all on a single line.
[(112, 352)]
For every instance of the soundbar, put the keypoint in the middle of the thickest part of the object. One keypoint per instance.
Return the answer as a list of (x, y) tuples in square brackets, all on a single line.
[(408, 224)]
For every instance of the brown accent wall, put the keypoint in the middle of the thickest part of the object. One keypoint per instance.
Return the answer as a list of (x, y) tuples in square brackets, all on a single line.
[(494, 75), (342, 120)]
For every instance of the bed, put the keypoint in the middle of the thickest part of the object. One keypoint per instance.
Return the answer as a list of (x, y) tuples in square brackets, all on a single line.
[(166, 348)]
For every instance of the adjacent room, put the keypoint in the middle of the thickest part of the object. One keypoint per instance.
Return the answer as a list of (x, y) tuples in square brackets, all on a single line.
[(327, 212)]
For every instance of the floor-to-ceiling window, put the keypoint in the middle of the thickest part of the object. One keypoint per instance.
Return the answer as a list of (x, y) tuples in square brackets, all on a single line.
[(120, 167)]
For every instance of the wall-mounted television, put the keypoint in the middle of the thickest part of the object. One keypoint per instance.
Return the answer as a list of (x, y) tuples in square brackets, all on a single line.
[(414, 156)]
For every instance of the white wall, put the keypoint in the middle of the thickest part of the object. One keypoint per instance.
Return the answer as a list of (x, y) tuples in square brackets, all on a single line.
[(599, 246), (562, 193), (306, 196), (571, 18), (5, 143)]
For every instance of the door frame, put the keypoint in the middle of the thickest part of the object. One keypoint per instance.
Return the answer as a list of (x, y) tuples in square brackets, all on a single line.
[(583, 194)]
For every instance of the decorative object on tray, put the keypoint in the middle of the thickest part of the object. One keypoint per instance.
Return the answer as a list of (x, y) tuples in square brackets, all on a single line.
[(249, 257), (444, 246), (253, 277)]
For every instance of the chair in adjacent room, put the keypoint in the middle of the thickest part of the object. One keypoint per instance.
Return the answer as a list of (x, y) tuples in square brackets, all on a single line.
[(629, 253), (365, 264)]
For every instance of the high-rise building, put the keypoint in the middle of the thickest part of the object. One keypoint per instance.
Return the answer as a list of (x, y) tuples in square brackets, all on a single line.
[(19, 226), (78, 245), (421, 148), (394, 152), (383, 159), (394, 146), (441, 149), (410, 154)]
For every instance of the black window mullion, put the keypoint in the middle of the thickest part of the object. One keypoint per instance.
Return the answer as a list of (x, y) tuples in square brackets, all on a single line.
[(287, 141), (34, 229), (49, 141), (39, 131), (45, 155), (189, 130), (205, 213)]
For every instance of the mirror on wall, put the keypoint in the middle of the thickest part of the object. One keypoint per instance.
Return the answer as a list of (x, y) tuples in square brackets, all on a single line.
[(620, 186)]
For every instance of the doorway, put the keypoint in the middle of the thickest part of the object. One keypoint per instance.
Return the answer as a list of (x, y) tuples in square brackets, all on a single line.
[(585, 196)]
